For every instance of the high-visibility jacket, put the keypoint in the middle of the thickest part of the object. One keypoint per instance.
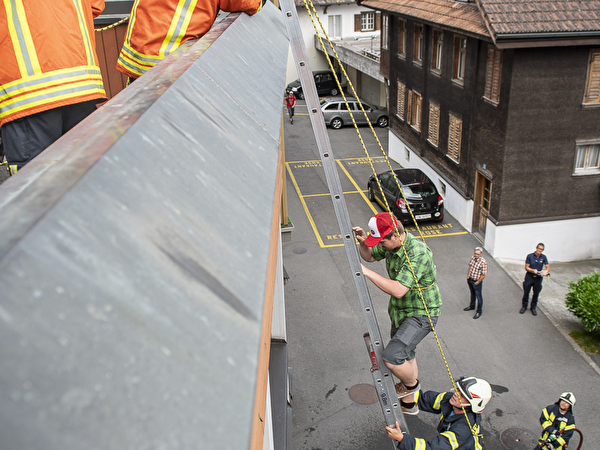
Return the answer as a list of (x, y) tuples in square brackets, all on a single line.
[(455, 431), (47, 55), (553, 421), (158, 27)]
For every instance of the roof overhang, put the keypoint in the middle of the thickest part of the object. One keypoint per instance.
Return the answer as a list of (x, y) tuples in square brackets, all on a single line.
[(463, 18)]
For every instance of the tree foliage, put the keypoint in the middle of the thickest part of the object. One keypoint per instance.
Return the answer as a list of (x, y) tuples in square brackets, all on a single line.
[(583, 300)]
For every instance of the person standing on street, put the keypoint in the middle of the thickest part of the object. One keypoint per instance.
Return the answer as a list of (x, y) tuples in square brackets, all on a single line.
[(558, 423), (290, 102), (403, 254), (475, 275), (49, 74), (460, 417), (536, 267)]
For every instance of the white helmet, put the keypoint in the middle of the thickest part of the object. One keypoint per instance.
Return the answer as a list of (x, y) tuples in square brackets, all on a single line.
[(477, 391), (567, 397)]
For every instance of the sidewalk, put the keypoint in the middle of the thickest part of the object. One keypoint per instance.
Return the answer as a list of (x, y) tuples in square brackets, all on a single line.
[(552, 297)]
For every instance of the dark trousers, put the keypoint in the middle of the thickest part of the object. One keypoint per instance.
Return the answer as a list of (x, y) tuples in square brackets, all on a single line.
[(475, 294), (535, 283), (23, 139)]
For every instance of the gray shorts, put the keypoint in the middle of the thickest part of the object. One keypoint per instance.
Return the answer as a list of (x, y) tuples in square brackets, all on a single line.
[(405, 338)]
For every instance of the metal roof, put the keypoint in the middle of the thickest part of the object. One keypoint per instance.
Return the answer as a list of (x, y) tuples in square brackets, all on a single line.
[(134, 255)]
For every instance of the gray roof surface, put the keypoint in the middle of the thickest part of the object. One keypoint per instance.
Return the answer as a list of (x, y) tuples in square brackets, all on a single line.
[(132, 275)]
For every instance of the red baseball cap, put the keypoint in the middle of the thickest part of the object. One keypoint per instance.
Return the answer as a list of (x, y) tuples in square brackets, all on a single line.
[(379, 227)]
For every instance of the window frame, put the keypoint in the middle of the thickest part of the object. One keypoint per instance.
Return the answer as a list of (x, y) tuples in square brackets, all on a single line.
[(334, 28), (455, 126), (418, 44), (459, 65), (364, 20), (586, 169), (402, 38), (591, 96), (437, 51), (384, 32), (493, 75), (414, 111)]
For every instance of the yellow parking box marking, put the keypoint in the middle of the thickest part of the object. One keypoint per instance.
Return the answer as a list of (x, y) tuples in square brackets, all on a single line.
[(357, 187), (305, 206)]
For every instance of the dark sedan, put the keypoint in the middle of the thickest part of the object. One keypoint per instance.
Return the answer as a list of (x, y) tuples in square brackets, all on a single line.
[(421, 195)]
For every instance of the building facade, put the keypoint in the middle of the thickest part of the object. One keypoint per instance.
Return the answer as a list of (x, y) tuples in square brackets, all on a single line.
[(499, 104)]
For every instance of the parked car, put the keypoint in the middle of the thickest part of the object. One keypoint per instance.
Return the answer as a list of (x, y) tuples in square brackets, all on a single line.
[(336, 113), (420, 193), (324, 80)]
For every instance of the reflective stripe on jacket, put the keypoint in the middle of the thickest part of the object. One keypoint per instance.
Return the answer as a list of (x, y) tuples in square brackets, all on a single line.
[(552, 420), (158, 27), (48, 56)]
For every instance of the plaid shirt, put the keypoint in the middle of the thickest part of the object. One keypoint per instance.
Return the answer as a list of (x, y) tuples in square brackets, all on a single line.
[(398, 269), (477, 268)]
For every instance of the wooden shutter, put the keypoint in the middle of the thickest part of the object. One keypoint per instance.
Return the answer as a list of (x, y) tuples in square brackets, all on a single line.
[(592, 94), (400, 103), (357, 22), (377, 21), (492, 76), (418, 111), (409, 116), (454, 137), (434, 124)]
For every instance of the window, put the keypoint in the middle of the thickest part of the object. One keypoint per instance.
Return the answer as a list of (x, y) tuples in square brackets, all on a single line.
[(335, 26), (436, 54), (492, 74), (384, 31), (414, 110), (434, 124), (418, 50), (454, 138), (401, 38), (460, 57), (587, 159), (400, 101), (592, 87), (367, 21)]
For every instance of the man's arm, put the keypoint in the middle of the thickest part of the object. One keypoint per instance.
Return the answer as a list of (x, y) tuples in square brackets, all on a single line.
[(391, 287), (363, 250), (483, 273)]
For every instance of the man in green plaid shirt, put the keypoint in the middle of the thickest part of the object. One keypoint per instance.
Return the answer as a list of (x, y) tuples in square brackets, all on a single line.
[(409, 264)]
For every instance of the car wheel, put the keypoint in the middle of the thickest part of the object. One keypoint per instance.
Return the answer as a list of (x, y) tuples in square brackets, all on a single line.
[(334, 91), (382, 122), (337, 123), (371, 194), (301, 95)]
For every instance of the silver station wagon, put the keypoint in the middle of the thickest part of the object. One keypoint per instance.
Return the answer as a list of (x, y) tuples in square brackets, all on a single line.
[(337, 114)]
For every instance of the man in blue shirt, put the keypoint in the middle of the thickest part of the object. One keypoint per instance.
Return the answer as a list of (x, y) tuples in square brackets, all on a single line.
[(537, 267)]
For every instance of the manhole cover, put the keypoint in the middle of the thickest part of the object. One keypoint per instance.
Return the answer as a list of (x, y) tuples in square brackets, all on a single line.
[(363, 394), (518, 439), (299, 250)]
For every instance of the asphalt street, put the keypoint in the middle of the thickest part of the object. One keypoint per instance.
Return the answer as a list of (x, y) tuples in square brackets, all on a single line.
[(526, 359)]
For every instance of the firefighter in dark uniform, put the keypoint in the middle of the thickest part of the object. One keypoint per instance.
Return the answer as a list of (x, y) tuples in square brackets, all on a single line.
[(558, 423), (459, 427)]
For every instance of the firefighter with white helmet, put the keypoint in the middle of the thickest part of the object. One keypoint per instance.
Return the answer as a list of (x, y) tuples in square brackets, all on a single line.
[(558, 423), (459, 425)]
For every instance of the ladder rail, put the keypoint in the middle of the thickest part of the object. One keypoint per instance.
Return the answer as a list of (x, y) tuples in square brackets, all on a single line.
[(382, 376)]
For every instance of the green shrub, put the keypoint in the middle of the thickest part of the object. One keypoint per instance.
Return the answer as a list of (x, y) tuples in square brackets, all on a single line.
[(583, 300)]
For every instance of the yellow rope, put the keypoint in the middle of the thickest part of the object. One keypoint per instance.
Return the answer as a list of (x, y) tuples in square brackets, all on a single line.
[(418, 288), (113, 25)]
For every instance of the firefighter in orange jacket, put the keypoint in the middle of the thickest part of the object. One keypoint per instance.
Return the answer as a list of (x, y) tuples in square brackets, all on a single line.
[(49, 75), (158, 27)]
